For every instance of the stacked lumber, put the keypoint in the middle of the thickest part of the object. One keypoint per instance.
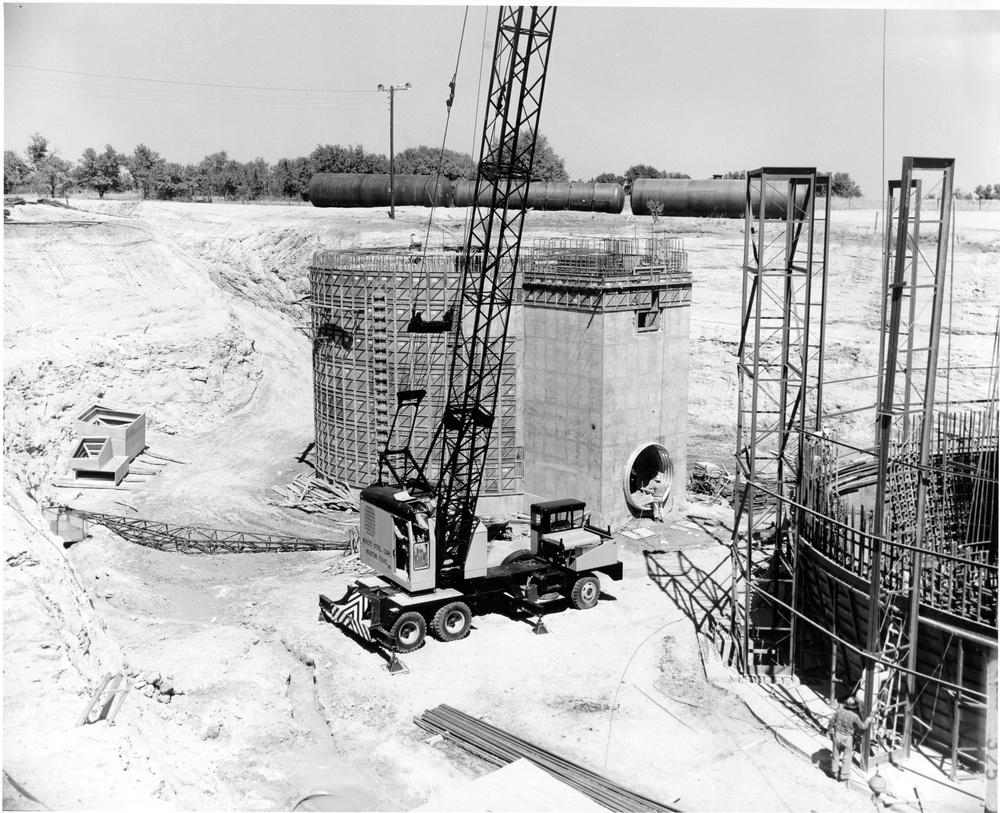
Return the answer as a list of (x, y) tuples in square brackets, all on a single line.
[(313, 495), (500, 748)]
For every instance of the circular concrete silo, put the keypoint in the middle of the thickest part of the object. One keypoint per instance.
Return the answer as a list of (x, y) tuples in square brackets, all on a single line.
[(363, 354)]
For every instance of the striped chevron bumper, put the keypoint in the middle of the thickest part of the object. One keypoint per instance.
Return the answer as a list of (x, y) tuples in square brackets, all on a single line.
[(350, 612)]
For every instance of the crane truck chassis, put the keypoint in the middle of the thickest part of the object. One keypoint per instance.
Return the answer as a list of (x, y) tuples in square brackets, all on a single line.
[(396, 607)]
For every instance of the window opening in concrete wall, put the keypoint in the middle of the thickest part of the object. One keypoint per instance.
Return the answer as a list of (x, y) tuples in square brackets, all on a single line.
[(649, 320), (649, 477)]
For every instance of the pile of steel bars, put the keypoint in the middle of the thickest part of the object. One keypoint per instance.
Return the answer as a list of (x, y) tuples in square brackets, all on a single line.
[(500, 748)]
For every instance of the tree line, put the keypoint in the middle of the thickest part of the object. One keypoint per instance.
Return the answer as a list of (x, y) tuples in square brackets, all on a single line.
[(42, 170)]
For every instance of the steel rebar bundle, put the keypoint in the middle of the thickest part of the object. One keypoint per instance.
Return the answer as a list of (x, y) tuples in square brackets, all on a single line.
[(500, 748)]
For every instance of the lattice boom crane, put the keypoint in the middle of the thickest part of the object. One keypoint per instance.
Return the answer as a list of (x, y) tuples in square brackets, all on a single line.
[(424, 541)]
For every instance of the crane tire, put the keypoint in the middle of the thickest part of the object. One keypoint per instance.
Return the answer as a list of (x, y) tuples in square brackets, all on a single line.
[(452, 622), (585, 593), (516, 556), (408, 632)]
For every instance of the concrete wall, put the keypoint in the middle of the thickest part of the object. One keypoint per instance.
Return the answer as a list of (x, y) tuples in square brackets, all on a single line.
[(645, 399), (595, 390), (563, 402)]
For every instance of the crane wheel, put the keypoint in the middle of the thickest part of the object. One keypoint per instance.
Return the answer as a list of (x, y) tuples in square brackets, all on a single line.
[(408, 632), (516, 556), (452, 622), (585, 592)]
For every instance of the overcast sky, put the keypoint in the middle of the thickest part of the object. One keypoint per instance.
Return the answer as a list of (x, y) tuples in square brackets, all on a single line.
[(695, 90)]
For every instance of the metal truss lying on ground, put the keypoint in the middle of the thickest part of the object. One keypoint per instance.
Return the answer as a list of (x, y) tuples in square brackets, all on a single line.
[(198, 539)]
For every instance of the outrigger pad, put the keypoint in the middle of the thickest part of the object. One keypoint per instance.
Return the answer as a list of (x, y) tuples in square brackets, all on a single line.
[(395, 666), (539, 627)]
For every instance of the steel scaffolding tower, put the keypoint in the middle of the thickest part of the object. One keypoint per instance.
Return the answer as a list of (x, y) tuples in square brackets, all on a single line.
[(780, 373), (912, 307)]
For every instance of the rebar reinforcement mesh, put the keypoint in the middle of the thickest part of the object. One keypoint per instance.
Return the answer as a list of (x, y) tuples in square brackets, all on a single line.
[(605, 259), (362, 301)]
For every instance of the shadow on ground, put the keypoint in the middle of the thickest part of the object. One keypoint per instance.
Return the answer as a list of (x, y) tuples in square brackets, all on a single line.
[(699, 594)]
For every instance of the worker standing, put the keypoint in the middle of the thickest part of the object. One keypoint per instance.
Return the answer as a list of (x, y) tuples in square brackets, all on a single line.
[(845, 723), (657, 489)]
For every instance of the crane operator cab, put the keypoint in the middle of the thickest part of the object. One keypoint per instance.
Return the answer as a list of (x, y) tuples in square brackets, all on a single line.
[(396, 538), (561, 534)]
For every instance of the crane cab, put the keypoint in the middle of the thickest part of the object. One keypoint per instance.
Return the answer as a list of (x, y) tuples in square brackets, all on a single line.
[(396, 537)]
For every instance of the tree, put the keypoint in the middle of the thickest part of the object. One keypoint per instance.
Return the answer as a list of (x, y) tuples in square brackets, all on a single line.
[(171, 182), (335, 158), (843, 186), (608, 177), (38, 150), (218, 173), (988, 192), (52, 174), (425, 160), (641, 171), (735, 175), (284, 179), (15, 171), (145, 166), (548, 166), (253, 179), (637, 171), (100, 172)]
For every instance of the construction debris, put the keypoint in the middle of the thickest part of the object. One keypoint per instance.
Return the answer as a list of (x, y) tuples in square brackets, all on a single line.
[(500, 748), (110, 685), (314, 495), (708, 482)]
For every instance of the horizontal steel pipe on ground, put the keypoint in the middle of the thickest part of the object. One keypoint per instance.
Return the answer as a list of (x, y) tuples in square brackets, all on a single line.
[(344, 189), (714, 198), (554, 197)]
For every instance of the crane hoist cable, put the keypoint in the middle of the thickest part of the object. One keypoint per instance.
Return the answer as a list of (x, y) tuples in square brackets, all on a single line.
[(444, 138), (437, 179)]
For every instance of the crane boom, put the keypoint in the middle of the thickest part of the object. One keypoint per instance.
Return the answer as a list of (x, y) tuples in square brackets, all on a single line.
[(517, 83), (431, 561)]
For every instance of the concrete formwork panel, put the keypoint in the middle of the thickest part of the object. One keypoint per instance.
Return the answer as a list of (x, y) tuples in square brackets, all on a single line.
[(363, 354)]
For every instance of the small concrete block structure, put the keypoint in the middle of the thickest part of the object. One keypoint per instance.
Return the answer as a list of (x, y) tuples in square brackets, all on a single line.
[(606, 372), (127, 430), (91, 454), (110, 440)]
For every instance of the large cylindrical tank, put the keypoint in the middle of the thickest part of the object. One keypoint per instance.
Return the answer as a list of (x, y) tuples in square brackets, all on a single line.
[(348, 189), (555, 196), (363, 355), (712, 198)]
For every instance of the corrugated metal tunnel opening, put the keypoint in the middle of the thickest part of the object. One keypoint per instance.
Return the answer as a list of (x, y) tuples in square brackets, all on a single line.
[(646, 463)]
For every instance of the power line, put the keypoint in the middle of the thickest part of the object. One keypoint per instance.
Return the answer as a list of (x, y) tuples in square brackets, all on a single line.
[(242, 102), (178, 82)]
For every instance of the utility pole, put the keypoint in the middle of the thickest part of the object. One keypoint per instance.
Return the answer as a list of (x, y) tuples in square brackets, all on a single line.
[(391, 90)]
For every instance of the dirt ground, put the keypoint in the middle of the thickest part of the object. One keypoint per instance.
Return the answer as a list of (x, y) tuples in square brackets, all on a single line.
[(188, 312)]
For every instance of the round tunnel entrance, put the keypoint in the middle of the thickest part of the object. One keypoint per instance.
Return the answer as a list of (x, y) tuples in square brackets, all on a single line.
[(640, 484)]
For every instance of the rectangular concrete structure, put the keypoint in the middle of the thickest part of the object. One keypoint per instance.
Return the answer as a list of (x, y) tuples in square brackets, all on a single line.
[(606, 330), (127, 430)]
